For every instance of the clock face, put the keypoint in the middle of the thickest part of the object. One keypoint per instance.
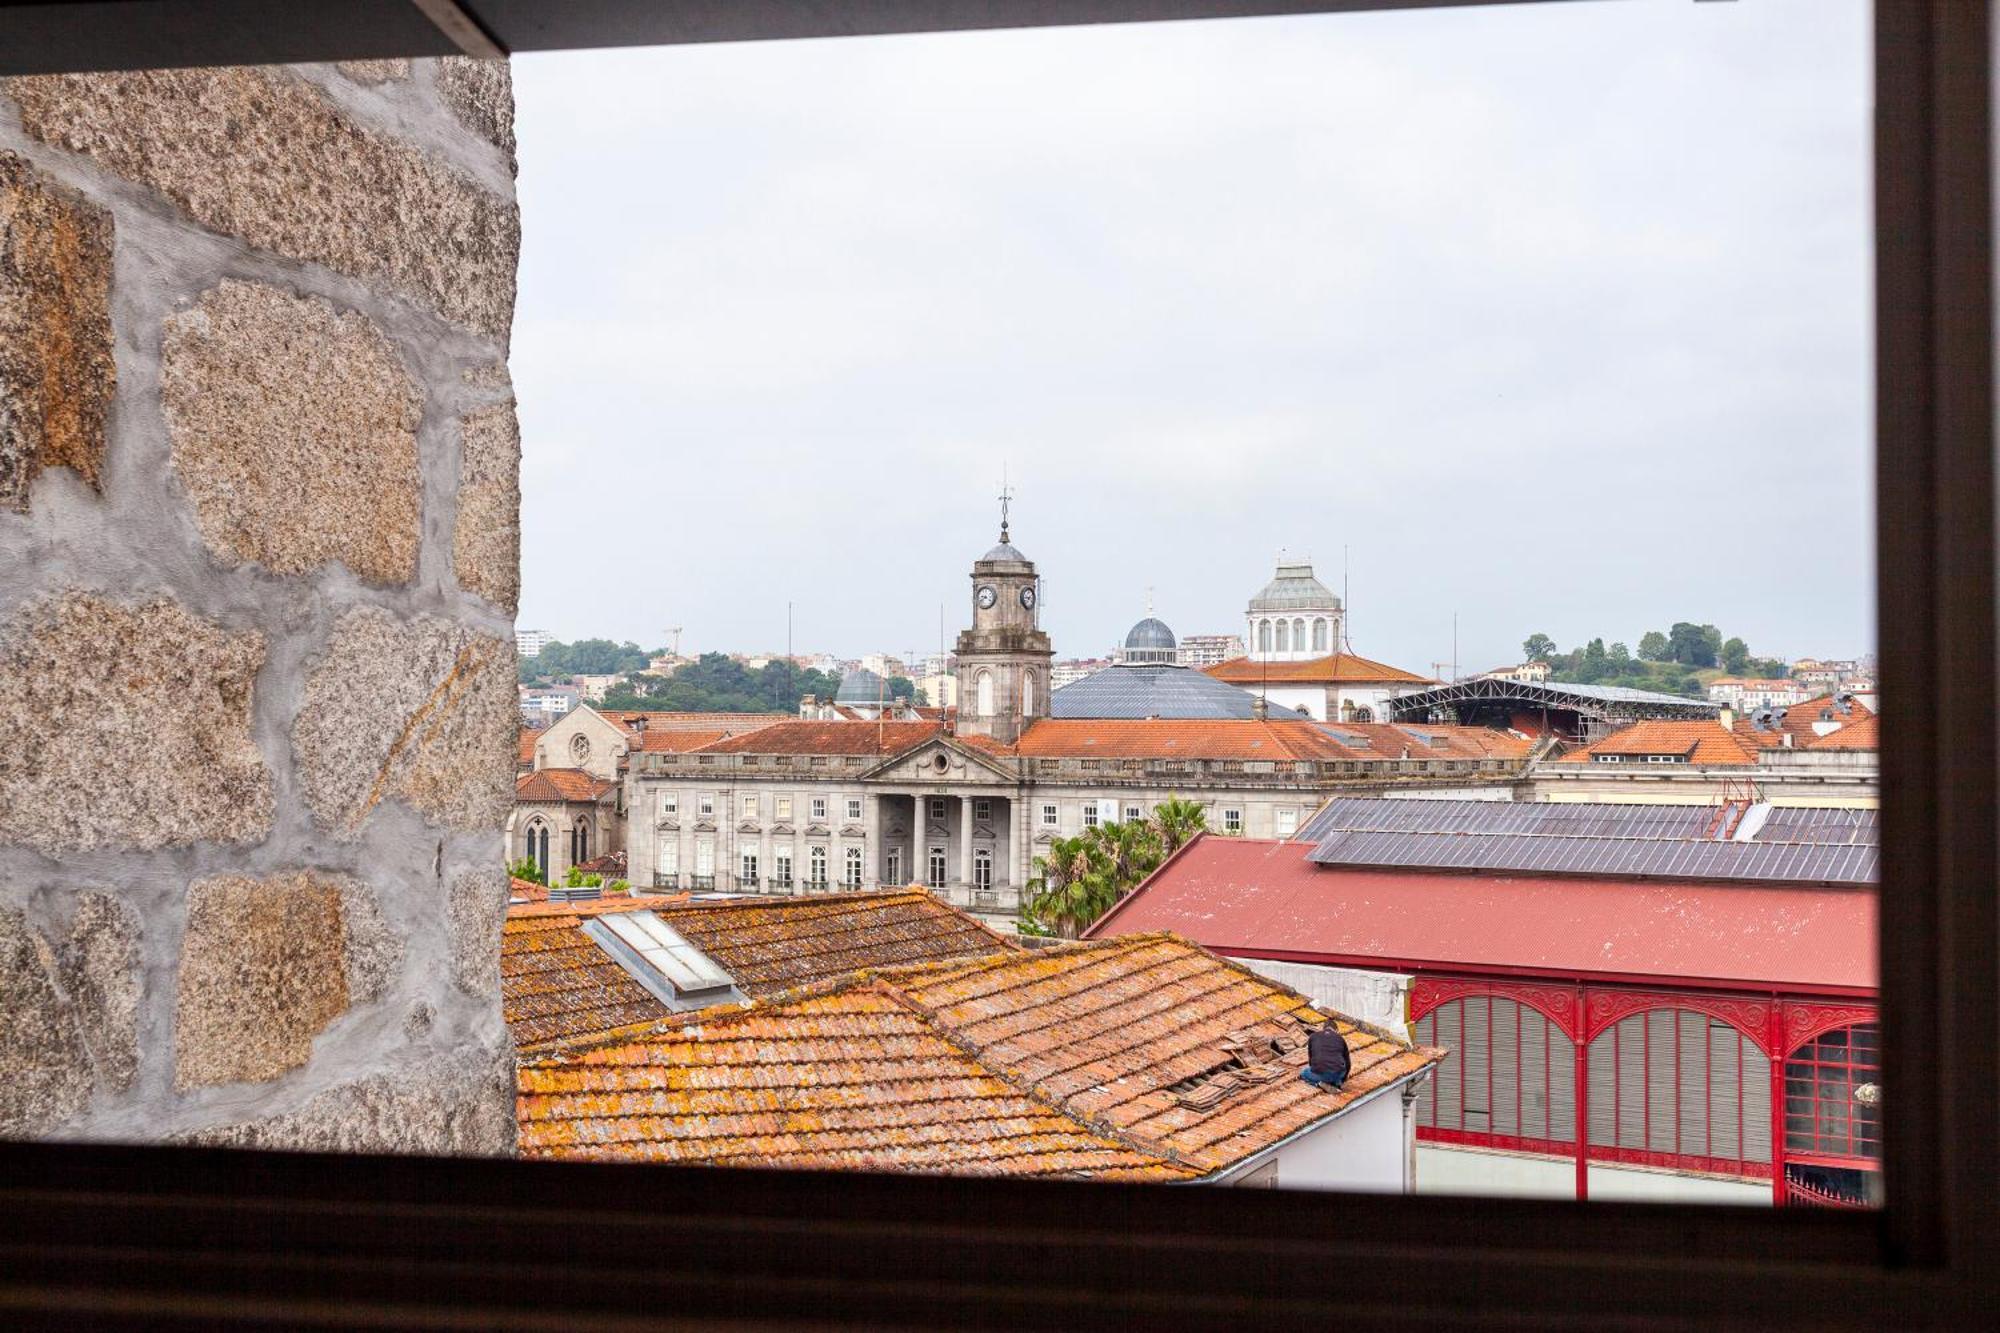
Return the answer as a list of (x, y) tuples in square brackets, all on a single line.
[(987, 597), (1028, 598)]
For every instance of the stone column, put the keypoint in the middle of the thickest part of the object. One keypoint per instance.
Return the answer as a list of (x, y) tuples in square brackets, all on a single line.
[(259, 615), (871, 828), (965, 841)]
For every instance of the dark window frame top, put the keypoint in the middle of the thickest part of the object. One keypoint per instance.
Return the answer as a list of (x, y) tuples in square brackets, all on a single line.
[(112, 1234)]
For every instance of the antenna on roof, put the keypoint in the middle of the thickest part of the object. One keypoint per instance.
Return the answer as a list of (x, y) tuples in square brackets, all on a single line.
[(1006, 498)]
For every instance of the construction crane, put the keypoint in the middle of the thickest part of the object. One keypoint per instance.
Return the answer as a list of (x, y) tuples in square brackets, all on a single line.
[(675, 630)]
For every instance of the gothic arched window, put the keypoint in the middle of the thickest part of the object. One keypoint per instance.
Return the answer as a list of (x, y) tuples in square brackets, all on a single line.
[(1028, 695), (1263, 636), (1319, 635), (1284, 636), (1299, 634), (986, 694)]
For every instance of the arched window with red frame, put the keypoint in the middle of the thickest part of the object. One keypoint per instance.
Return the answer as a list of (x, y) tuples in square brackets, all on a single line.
[(1510, 1077), (1832, 1106)]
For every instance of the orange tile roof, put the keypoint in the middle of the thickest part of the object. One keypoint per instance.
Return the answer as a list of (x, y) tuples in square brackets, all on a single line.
[(1337, 669), (855, 1080), (622, 718), (1157, 1037), (1800, 717), (526, 890), (676, 742), (1189, 738), (1143, 1057), (1864, 734), (774, 945), (528, 739), (829, 738), (769, 946), (560, 784), (1703, 741)]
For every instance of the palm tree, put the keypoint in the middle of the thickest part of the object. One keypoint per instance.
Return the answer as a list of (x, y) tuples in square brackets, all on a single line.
[(1078, 884), (1176, 821)]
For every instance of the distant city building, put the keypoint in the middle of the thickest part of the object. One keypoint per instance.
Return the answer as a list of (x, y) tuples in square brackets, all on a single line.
[(885, 665), (665, 664), (551, 701), (1295, 617), (1073, 669), (1531, 672), (1146, 681), (1207, 650), (1743, 693), (594, 688), (940, 688), (530, 642)]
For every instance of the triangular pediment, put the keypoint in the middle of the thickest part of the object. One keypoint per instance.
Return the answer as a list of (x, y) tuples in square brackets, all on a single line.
[(817, 831), (704, 826), (669, 826), (782, 829), (853, 831), (962, 763), (747, 826)]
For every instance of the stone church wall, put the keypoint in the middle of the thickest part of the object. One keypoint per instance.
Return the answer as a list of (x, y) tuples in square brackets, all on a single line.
[(258, 565)]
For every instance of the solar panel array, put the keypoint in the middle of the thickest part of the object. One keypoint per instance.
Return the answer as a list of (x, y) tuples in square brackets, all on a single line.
[(1659, 841)]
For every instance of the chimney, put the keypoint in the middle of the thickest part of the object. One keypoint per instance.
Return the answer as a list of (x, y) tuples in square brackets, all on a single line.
[(1787, 741), (1728, 719), (806, 707), (1260, 708)]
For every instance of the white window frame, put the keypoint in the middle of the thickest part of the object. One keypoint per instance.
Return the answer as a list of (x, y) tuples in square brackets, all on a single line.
[(705, 806), (937, 865), (937, 811), (748, 805), (670, 803), (1051, 815), (854, 807), (1232, 821), (1090, 814), (852, 867), (818, 807), (982, 808), (781, 807)]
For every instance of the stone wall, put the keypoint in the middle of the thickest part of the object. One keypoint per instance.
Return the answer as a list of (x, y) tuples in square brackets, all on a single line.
[(259, 487)]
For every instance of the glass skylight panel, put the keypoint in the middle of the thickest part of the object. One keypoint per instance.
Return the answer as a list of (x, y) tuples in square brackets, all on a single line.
[(686, 967)]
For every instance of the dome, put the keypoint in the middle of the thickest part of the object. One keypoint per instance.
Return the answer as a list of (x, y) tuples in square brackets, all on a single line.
[(1150, 633), (1004, 551), (1154, 690), (862, 686), (1294, 589)]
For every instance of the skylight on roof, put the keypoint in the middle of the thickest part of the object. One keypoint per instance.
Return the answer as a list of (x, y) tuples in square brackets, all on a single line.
[(687, 969)]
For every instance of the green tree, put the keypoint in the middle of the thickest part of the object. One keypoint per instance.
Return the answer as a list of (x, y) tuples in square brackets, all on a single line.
[(1653, 646), (902, 687), (1074, 886), (525, 868), (1690, 645), (1595, 663), (1735, 656), (1621, 657), (1538, 648), (1176, 822)]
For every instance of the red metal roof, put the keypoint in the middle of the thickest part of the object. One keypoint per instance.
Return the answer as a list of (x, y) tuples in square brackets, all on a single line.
[(1264, 899)]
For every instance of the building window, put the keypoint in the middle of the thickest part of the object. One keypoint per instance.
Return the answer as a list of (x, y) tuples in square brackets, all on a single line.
[(982, 868), (816, 867), (1090, 814), (747, 872), (1048, 816), (667, 860), (937, 809), (1133, 814), (852, 874), (936, 867), (579, 844), (705, 807), (819, 807), (982, 809), (1510, 1073), (1824, 1116), (538, 846), (895, 875), (1678, 1082), (1284, 636), (750, 806), (781, 864), (1263, 636), (1299, 635), (1319, 635), (1028, 695), (781, 807), (854, 807), (985, 694), (670, 803), (1288, 823), (1232, 821)]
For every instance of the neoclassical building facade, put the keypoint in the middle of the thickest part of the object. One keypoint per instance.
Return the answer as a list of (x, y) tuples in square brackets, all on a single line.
[(964, 805)]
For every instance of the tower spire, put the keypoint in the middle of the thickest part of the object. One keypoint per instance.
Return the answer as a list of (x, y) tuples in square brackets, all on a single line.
[(1006, 499)]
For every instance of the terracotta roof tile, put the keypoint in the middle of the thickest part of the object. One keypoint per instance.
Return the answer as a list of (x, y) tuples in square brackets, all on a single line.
[(1141, 1058), (769, 946), (624, 719), (878, 738), (1337, 669), (676, 741), (1704, 742), (560, 784), (528, 738), (1187, 738), (1864, 734)]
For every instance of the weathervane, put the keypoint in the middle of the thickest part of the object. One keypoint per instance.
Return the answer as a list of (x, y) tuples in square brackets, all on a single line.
[(1006, 498)]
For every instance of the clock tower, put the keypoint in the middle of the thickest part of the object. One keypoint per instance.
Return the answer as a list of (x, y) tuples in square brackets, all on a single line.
[(1003, 660)]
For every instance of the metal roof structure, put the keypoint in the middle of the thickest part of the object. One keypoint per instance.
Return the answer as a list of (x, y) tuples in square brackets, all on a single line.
[(1147, 690), (1294, 588), (862, 686), (1731, 841), (1611, 704), (1249, 898), (1150, 641)]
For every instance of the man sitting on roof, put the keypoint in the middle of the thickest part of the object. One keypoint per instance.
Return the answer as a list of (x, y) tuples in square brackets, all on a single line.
[(1326, 1058)]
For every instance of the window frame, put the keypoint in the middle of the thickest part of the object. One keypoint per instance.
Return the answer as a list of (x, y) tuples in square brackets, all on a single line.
[(181, 1233)]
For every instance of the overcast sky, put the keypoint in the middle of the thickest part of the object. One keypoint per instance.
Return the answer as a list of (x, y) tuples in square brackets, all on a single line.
[(1554, 316)]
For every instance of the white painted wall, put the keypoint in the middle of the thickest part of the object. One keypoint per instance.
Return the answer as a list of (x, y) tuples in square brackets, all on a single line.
[(1380, 998), (1631, 1183), (1364, 1150)]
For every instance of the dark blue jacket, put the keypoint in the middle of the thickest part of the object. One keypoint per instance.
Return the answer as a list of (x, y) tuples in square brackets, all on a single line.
[(1326, 1053)]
